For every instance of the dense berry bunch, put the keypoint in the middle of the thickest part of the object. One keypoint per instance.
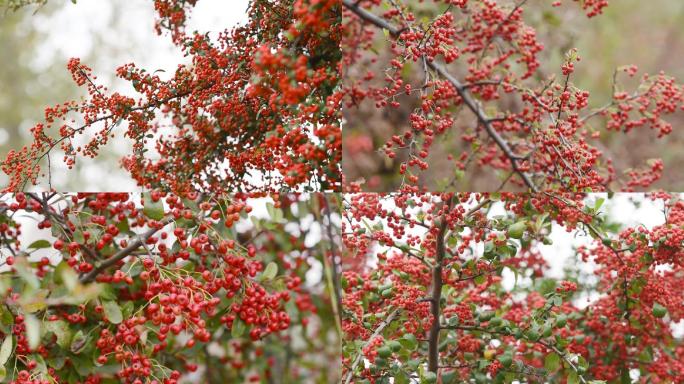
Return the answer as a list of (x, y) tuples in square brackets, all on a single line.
[(255, 109), (152, 289), (472, 67), (456, 286)]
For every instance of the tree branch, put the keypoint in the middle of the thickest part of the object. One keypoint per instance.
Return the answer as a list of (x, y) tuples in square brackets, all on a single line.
[(436, 297), (378, 330), (334, 266), (115, 258)]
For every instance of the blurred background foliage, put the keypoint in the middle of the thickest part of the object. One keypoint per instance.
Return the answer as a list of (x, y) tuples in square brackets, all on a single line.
[(26, 89), (649, 34)]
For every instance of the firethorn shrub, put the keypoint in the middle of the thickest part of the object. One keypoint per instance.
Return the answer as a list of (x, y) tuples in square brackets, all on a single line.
[(456, 287), (256, 108), (124, 288), (468, 71)]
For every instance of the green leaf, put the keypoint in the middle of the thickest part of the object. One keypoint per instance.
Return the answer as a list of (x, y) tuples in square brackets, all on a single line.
[(408, 341), (270, 271), (658, 310), (68, 276), (238, 328), (552, 362), (547, 286), (6, 319), (599, 202), (78, 343), (6, 349), (517, 229), (153, 210), (401, 378), (573, 378), (276, 214), (582, 363), (32, 330), (61, 330), (112, 311), (449, 377), (506, 359), (21, 265), (429, 378), (123, 226), (39, 244), (34, 301)]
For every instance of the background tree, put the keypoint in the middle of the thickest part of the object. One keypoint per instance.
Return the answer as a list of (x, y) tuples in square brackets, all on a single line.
[(159, 289), (478, 89), (255, 109), (426, 297)]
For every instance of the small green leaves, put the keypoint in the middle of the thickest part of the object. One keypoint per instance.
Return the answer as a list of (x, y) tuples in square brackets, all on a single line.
[(153, 209), (429, 378), (32, 331), (386, 293), (561, 320), (384, 352), (532, 334), (79, 342), (67, 275), (495, 321), (658, 310), (270, 271), (6, 349), (112, 311), (5, 352), (21, 265), (39, 244), (237, 329), (506, 359), (409, 341), (552, 362), (485, 316), (61, 330), (394, 345), (516, 230)]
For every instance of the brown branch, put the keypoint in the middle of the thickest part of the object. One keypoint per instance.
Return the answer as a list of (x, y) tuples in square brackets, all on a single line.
[(436, 296), (123, 253), (378, 330), (334, 266), (61, 221)]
